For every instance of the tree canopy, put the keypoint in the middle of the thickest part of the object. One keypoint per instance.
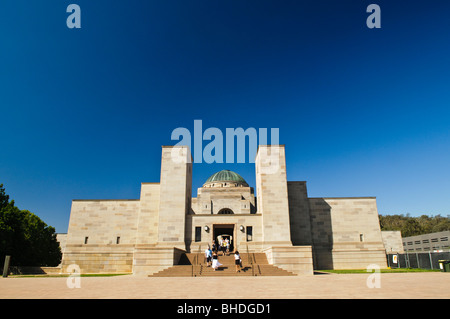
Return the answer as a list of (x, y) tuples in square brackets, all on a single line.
[(413, 226), (25, 237)]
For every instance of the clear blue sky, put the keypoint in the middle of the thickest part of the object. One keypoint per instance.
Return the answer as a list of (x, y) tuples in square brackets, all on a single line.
[(362, 112)]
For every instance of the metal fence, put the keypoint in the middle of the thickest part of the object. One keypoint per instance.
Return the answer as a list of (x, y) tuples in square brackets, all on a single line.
[(426, 260)]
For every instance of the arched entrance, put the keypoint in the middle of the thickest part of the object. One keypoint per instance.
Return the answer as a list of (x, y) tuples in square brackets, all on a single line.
[(225, 211), (223, 231)]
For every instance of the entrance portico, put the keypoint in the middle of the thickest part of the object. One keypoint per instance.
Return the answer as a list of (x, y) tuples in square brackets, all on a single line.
[(225, 231)]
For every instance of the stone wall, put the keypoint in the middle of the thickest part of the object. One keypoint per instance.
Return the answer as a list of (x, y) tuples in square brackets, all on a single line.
[(148, 260), (241, 200), (101, 235), (299, 214), (296, 259), (147, 230), (99, 258), (102, 222), (62, 240), (392, 240), (346, 233)]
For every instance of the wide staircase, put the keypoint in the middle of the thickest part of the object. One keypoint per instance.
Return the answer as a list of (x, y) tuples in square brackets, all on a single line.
[(194, 265)]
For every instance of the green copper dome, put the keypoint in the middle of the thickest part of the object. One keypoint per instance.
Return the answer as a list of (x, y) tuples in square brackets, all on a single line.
[(226, 176)]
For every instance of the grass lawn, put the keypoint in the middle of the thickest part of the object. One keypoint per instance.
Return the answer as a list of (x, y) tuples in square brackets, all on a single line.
[(364, 271)]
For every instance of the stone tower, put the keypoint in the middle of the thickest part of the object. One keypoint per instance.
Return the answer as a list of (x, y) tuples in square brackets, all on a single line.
[(272, 194), (175, 195)]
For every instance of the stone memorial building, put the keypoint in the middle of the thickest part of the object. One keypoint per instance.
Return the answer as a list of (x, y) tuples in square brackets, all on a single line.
[(295, 232)]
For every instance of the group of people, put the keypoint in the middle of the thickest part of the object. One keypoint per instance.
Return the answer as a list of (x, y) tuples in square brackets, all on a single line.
[(223, 246), (212, 257)]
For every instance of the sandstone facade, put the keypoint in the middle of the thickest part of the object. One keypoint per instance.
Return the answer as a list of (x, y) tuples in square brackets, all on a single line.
[(297, 233)]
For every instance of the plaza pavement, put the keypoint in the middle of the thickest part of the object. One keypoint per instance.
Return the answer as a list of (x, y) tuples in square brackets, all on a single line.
[(334, 286)]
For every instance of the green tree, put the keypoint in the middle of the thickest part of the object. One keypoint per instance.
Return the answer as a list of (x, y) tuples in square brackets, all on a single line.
[(425, 224), (4, 199), (25, 237), (412, 226)]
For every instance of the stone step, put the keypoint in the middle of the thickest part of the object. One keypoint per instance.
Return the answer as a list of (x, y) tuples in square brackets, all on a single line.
[(225, 271), (196, 271), (177, 271), (271, 270), (195, 266), (199, 259)]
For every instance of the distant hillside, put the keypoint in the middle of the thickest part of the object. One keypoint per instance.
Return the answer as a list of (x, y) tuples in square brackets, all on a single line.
[(412, 226)]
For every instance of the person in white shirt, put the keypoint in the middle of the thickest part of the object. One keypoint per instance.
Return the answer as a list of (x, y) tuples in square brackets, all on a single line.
[(208, 256), (237, 261)]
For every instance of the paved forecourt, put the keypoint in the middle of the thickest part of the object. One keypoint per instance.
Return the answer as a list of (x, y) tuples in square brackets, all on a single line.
[(392, 285)]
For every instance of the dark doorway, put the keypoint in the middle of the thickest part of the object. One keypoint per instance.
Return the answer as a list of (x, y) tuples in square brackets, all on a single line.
[(226, 231)]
